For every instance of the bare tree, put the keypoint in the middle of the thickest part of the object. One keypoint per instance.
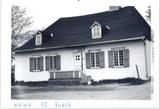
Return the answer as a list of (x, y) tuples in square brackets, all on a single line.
[(20, 22)]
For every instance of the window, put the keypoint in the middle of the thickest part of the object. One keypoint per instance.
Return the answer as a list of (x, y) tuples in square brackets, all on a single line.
[(77, 57), (95, 59), (52, 62), (36, 64), (118, 58), (38, 40), (96, 30)]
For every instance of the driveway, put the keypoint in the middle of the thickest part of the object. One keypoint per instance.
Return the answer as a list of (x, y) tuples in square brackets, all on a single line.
[(84, 92)]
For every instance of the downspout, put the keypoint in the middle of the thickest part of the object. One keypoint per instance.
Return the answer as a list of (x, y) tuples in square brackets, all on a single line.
[(145, 54)]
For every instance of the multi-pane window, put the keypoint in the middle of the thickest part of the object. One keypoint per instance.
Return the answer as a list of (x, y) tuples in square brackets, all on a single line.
[(96, 29), (38, 39), (36, 64), (121, 58), (77, 57), (52, 62), (115, 58), (95, 59), (96, 32), (118, 58)]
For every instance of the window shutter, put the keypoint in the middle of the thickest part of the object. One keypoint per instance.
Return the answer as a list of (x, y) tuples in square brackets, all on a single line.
[(110, 59), (101, 59), (41, 63), (47, 63), (126, 57), (58, 62), (31, 64), (88, 65)]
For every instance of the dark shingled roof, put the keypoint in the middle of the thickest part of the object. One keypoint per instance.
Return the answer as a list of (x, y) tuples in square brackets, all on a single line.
[(125, 24)]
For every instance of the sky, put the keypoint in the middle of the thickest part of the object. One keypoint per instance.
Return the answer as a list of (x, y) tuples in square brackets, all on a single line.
[(46, 12)]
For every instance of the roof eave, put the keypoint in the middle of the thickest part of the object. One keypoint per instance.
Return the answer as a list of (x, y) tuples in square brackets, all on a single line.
[(92, 43)]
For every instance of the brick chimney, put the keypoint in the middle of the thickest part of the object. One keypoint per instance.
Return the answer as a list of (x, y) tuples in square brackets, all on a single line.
[(114, 8)]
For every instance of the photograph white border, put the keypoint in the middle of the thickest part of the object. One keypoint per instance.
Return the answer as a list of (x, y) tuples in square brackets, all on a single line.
[(6, 101)]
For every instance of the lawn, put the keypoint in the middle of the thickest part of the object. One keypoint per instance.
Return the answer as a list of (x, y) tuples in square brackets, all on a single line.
[(88, 92)]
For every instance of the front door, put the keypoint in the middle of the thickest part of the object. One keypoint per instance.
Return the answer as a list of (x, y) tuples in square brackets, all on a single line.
[(77, 61)]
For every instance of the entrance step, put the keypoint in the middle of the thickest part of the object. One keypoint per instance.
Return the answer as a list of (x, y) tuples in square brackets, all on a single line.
[(64, 81)]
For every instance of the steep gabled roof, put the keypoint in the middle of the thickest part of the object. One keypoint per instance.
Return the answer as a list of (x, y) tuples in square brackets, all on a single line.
[(124, 24)]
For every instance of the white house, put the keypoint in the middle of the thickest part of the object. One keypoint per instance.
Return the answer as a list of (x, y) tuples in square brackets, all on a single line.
[(109, 45)]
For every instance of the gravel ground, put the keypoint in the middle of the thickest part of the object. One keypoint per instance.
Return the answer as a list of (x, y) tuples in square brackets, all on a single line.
[(81, 92)]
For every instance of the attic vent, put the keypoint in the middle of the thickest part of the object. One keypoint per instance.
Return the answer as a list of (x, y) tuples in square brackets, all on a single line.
[(51, 34), (108, 27)]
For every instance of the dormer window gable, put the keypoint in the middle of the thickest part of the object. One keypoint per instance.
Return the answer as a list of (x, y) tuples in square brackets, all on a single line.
[(96, 30), (38, 39)]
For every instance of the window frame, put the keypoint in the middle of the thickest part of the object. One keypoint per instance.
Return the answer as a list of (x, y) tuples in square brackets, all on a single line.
[(96, 32), (95, 59), (118, 58), (38, 40), (36, 63), (53, 63)]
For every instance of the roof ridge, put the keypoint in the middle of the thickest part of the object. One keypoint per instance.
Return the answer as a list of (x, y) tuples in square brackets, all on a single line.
[(95, 13)]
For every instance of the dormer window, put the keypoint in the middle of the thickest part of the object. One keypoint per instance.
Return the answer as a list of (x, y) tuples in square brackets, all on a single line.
[(38, 40), (96, 30)]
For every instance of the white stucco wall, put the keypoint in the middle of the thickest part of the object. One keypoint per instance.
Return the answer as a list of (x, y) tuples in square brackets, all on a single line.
[(137, 57), (22, 70), (148, 56)]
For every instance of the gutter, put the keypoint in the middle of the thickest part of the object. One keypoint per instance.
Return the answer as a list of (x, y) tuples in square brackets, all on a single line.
[(92, 43)]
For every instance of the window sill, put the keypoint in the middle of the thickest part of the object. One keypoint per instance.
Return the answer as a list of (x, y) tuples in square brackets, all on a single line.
[(118, 66), (95, 68), (53, 70), (36, 71)]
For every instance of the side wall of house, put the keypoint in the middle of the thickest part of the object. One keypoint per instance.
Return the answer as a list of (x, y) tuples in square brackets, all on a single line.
[(136, 57), (148, 57)]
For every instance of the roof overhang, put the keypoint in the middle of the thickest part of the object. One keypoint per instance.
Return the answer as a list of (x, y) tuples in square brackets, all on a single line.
[(77, 45)]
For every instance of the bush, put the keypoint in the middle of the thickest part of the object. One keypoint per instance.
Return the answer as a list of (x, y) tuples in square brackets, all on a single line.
[(131, 81)]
